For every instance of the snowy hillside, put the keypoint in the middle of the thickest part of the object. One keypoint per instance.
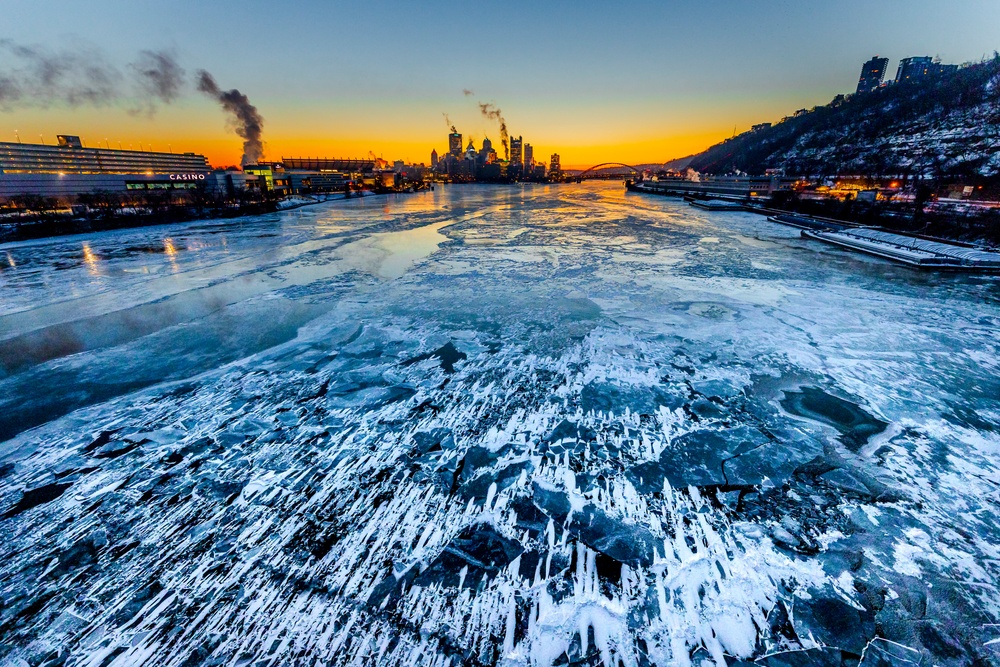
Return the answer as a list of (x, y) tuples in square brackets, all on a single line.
[(947, 127)]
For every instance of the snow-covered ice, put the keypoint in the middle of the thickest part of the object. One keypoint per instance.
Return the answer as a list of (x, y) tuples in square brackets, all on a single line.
[(496, 426)]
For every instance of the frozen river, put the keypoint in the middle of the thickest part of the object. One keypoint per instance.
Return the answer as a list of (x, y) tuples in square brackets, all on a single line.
[(494, 425)]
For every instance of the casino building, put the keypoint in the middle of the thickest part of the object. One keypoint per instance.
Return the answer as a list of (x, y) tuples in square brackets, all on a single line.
[(69, 169)]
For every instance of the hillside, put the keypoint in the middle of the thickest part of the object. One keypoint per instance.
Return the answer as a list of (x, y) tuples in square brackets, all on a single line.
[(943, 127)]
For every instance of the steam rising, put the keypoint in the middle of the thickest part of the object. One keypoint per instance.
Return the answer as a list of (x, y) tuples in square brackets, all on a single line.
[(246, 120), (492, 112)]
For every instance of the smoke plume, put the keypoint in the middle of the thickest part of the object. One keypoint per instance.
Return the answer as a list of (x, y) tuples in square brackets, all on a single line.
[(492, 112), (39, 77), (159, 75), (246, 120), (9, 91), (79, 75)]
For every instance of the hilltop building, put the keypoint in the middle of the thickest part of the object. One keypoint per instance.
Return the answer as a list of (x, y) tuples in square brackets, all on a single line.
[(922, 67), (872, 74), (69, 169), (914, 68)]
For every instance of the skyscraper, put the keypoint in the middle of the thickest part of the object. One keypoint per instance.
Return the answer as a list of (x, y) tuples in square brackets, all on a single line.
[(872, 74), (529, 156), (554, 166), (486, 151), (455, 144), (434, 158), (516, 157), (914, 69)]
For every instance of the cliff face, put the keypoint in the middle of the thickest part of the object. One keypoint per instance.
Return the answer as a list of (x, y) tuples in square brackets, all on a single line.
[(942, 127)]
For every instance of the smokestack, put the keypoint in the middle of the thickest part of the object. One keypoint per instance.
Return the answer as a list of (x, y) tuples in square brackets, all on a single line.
[(492, 112), (246, 120)]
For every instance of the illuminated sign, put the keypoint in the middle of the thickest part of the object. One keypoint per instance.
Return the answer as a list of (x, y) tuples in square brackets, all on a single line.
[(187, 177)]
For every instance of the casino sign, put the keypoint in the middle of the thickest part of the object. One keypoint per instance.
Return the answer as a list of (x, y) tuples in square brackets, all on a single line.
[(187, 177)]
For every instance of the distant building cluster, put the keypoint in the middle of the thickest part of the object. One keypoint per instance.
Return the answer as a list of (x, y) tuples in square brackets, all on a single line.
[(69, 168), (914, 68), (485, 164)]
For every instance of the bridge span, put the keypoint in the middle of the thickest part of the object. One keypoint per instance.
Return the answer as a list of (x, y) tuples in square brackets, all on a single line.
[(606, 170)]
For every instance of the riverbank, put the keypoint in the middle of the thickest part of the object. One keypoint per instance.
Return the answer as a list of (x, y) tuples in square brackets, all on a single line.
[(66, 225), (58, 224), (962, 222)]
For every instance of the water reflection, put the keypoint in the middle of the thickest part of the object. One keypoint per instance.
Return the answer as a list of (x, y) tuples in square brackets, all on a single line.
[(92, 260), (171, 251)]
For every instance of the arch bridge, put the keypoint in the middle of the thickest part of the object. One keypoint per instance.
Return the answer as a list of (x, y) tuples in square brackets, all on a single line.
[(608, 170)]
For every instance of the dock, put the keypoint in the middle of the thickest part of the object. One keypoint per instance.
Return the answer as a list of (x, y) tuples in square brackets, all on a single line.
[(917, 252), (717, 205)]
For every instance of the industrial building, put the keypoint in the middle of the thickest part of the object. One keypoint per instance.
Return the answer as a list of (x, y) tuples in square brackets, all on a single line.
[(69, 169), (298, 175)]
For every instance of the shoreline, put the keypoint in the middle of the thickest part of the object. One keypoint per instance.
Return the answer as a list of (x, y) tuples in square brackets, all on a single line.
[(64, 228)]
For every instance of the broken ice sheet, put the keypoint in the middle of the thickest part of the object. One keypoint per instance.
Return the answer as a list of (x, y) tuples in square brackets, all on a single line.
[(594, 440)]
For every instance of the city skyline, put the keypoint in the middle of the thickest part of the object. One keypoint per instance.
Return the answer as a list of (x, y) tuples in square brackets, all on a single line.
[(576, 82)]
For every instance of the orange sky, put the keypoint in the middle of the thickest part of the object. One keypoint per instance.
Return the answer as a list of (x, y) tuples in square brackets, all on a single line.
[(197, 126)]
